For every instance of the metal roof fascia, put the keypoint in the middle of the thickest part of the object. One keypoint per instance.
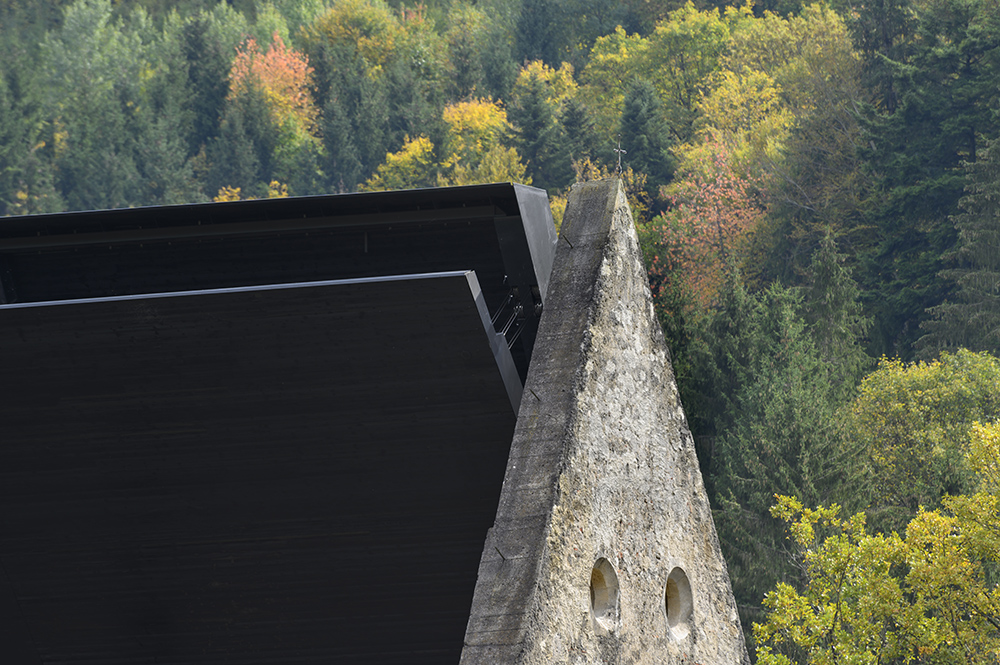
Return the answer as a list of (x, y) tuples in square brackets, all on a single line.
[(539, 232)]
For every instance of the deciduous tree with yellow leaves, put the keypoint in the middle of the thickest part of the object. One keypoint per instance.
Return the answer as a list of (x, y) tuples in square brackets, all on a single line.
[(472, 152), (928, 596)]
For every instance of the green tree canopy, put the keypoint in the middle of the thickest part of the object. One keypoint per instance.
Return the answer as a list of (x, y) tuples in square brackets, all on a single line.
[(776, 401), (944, 87)]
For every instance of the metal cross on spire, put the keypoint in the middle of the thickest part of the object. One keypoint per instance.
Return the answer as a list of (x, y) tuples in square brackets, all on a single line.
[(620, 152)]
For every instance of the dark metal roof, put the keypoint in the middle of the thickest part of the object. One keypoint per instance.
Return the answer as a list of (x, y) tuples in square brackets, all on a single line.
[(237, 433)]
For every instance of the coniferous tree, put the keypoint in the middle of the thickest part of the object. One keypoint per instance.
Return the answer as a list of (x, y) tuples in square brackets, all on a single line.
[(98, 169), (356, 136), (882, 31), (541, 32), (644, 135), (92, 70), (578, 125), (465, 43), (539, 137), (371, 124), (972, 318), (499, 64), (945, 84), (415, 102), (161, 154), (162, 123), (207, 70), (242, 155), (774, 432), (26, 177), (342, 164), (834, 314), (775, 378)]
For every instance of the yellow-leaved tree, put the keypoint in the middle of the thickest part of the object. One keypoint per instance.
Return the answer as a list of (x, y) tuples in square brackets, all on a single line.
[(677, 58), (472, 152), (367, 27), (410, 167), (473, 146), (929, 596), (611, 66), (559, 83), (474, 127)]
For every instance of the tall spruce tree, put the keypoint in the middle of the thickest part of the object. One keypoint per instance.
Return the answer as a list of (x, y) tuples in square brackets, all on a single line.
[(92, 68), (542, 32), (161, 156), (971, 319), (207, 69), (26, 175), (645, 135), (834, 314), (243, 153), (499, 65), (578, 125), (777, 377), (945, 84), (538, 136), (466, 37), (356, 117), (775, 433), (342, 164)]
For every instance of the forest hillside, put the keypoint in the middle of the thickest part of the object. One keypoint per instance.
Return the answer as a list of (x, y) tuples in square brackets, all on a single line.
[(816, 188)]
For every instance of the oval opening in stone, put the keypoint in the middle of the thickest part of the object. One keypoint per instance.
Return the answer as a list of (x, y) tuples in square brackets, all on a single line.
[(604, 596), (679, 604)]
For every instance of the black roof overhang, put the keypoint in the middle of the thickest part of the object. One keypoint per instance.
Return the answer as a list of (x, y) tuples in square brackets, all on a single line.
[(503, 232)]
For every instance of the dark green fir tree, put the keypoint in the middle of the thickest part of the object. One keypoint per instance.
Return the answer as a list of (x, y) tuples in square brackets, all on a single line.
[(777, 367), (945, 92), (342, 165), (834, 315), (645, 136), (207, 71), (542, 32), (578, 125), (27, 182), (971, 319), (538, 136), (242, 154)]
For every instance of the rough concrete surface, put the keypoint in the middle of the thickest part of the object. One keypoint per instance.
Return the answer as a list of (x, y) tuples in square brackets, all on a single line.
[(602, 480)]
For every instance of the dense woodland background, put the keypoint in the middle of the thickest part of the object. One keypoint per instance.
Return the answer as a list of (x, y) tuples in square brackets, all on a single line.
[(815, 187)]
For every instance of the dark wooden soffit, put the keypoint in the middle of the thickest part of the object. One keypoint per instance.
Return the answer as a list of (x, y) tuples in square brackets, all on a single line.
[(258, 475)]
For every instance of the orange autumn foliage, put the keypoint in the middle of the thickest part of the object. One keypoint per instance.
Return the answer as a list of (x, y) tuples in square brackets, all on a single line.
[(285, 77), (714, 213)]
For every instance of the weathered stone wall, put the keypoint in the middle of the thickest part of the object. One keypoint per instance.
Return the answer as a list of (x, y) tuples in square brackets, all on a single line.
[(602, 480)]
